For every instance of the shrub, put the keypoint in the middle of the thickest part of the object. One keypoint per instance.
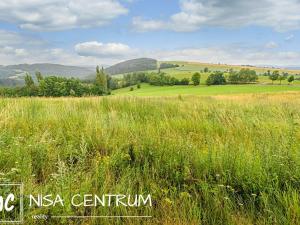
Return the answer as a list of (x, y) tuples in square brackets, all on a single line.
[(242, 77), (291, 79), (196, 78), (168, 65), (185, 81), (216, 78)]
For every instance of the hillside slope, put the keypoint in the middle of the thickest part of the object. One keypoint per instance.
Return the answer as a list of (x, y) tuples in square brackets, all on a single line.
[(134, 65)]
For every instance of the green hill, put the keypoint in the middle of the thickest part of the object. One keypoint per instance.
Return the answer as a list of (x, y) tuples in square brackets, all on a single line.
[(134, 65)]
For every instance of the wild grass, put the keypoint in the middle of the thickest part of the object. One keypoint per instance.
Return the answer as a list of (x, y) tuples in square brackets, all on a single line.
[(205, 160)]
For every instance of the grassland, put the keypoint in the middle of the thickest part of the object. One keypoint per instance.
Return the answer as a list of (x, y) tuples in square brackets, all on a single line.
[(186, 69), (226, 159), (149, 90), (190, 67)]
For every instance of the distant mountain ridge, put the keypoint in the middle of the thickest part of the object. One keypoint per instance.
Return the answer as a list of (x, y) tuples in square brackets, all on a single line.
[(46, 69), (133, 65)]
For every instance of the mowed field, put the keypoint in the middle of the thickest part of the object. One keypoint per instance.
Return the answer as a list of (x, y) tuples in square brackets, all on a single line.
[(224, 159), (186, 69), (149, 90)]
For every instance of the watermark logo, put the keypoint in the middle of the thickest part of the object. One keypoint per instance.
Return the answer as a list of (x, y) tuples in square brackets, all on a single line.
[(11, 203)]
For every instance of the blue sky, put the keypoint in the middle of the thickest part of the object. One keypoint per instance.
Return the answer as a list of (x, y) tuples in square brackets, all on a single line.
[(90, 32)]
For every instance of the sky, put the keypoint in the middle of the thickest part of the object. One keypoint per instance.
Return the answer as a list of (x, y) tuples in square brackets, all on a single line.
[(104, 32)]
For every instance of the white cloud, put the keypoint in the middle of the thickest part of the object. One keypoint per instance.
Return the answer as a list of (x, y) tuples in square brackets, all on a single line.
[(18, 39), (10, 55), (59, 14), (101, 50), (271, 45), (13, 51), (289, 38), (228, 55), (19, 48), (281, 15)]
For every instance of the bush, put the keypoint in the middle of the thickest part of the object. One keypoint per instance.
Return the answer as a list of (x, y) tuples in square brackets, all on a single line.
[(242, 77), (216, 78), (162, 79), (196, 78), (131, 89), (168, 65), (185, 81), (291, 79)]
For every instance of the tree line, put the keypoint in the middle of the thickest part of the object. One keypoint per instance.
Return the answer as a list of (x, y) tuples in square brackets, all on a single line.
[(275, 75), (53, 86), (244, 76)]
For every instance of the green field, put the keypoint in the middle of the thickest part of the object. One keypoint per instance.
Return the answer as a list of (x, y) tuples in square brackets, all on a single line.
[(190, 67), (228, 159), (148, 90), (187, 69)]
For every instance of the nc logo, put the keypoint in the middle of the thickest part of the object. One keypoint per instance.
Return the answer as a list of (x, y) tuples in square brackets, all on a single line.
[(11, 203), (7, 203)]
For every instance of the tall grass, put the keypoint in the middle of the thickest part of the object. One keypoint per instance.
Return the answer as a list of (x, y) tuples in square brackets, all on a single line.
[(205, 160)]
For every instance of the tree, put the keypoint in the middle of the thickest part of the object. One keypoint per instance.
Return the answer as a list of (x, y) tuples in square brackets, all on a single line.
[(59, 86), (167, 66), (206, 70), (112, 83), (196, 78), (291, 79), (28, 81), (216, 78), (97, 69), (101, 80), (274, 76), (281, 78), (247, 76), (30, 89), (38, 76), (233, 77)]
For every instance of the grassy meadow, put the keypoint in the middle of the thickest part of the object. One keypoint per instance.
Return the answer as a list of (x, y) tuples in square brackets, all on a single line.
[(224, 159), (186, 69), (150, 90)]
